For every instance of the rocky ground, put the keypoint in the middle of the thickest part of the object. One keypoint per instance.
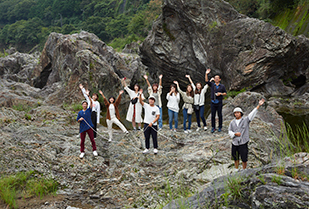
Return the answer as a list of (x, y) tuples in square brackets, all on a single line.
[(44, 138)]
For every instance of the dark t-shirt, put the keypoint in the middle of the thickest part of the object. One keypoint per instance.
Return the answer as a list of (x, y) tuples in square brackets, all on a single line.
[(214, 89)]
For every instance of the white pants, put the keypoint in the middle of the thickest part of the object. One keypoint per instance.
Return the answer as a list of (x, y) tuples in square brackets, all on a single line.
[(110, 126)]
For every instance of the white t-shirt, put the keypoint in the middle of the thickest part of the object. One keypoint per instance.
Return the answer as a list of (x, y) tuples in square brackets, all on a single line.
[(112, 111), (150, 113)]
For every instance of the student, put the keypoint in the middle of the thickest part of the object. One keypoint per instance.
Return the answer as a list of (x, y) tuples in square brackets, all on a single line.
[(239, 132), (199, 102), (95, 114), (152, 115), (217, 93), (112, 114), (173, 99), (85, 126), (156, 91), (187, 108), (134, 113)]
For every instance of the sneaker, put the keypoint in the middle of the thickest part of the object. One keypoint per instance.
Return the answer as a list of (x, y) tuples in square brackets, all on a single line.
[(95, 153), (78, 135), (139, 128), (219, 129), (81, 155), (186, 132), (213, 130), (155, 151), (175, 130), (197, 129), (205, 128), (189, 131), (145, 151), (160, 129), (109, 140), (134, 128)]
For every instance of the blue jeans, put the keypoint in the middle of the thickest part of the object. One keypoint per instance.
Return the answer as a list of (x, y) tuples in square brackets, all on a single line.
[(200, 114), (185, 116), (171, 115), (160, 121)]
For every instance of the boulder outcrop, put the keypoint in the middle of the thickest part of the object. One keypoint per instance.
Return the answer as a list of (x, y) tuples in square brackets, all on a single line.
[(191, 36)]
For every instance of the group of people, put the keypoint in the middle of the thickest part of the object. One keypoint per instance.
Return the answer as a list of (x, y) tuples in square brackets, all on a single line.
[(193, 99)]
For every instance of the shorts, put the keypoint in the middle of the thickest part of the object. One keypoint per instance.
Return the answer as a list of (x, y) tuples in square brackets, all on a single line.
[(241, 150)]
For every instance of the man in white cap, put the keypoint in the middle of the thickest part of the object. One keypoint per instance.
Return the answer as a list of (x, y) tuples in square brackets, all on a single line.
[(239, 132), (152, 115)]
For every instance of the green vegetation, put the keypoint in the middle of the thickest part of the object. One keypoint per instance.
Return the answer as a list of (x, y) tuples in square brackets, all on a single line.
[(25, 185), (23, 107), (291, 16), (276, 179), (235, 93), (27, 23)]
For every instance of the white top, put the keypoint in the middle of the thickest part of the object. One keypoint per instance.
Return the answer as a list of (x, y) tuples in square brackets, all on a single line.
[(251, 116), (199, 99), (150, 113), (112, 111), (173, 101), (156, 95), (95, 105), (138, 106)]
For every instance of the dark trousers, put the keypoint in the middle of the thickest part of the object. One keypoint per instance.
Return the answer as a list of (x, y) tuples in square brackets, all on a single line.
[(149, 131), (200, 115), (216, 108), (94, 122), (82, 142)]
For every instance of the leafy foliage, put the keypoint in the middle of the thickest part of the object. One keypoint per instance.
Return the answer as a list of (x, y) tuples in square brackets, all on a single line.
[(26, 23)]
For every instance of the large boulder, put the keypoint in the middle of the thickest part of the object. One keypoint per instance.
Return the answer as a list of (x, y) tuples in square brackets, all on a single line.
[(68, 60), (191, 36)]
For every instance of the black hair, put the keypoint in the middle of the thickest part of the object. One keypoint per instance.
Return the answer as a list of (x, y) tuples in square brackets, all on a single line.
[(110, 98), (137, 86)]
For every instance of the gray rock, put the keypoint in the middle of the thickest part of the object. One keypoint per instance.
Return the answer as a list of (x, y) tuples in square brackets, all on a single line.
[(191, 36)]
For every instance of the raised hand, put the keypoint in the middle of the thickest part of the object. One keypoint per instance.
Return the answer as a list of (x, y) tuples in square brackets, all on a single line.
[(212, 79), (160, 76), (146, 77), (187, 76), (261, 102), (121, 92), (208, 71), (81, 86), (176, 82), (141, 91)]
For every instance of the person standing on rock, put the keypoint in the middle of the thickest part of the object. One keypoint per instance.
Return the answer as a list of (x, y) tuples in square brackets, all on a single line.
[(112, 114), (187, 108), (85, 125), (134, 113), (156, 91), (152, 115), (173, 99), (217, 92), (199, 102), (95, 114), (239, 132)]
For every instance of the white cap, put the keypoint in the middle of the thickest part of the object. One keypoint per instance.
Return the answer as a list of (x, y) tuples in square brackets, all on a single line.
[(152, 97), (238, 109)]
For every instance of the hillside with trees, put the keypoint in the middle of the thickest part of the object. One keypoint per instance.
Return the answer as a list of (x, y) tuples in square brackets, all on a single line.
[(27, 23)]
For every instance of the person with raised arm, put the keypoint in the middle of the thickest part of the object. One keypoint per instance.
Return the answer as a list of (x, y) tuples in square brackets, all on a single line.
[(112, 114), (156, 91), (85, 124), (199, 102), (239, 132), (95, 114), (134, 113), (187, 108), (152, 115), (173, 99), (217, 92)]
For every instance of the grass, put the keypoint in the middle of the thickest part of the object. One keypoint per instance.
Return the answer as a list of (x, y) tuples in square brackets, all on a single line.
[(24, 107), (74, 107), (235, 187), (25, 185), (277, 179), (234, 93)]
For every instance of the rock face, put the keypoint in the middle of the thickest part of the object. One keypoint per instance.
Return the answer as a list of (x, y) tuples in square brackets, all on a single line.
[(82, 58), (273, 186), (191, 36)]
